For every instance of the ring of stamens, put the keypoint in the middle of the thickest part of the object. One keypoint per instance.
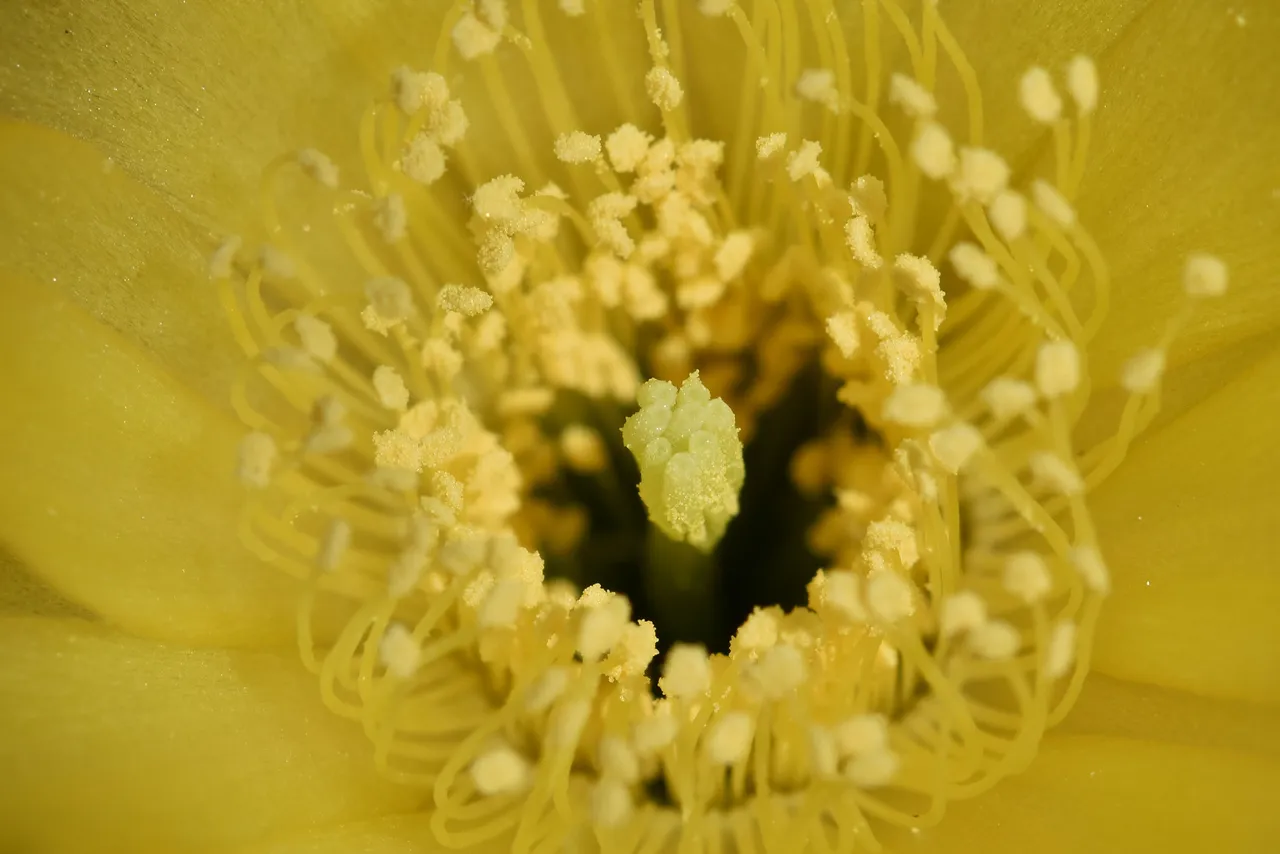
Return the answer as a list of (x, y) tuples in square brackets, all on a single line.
[(401, 429)]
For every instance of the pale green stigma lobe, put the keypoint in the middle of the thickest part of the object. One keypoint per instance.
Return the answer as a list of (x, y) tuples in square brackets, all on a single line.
[(686, 444)]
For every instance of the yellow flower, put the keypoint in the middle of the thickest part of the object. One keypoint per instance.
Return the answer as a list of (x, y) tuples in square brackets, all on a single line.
[(150, 694)]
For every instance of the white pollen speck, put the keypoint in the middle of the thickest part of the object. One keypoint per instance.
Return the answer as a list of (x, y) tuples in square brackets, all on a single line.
[(1082, 83), (1141, 374), (577, 147), (319, 167), (1038, 96), (1057, 368), (867, 197), (861, 240), (805, 161), (1204, 275), (768, 146), (933, 151), (663, 88)]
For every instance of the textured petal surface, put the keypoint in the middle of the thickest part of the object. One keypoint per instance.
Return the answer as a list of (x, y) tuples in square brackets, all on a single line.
[(1189, 525), (1086, 793), (119, 487), (116, 744)]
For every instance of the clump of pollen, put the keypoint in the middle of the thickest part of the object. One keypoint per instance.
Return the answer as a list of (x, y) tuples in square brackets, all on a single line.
[(455, 336)]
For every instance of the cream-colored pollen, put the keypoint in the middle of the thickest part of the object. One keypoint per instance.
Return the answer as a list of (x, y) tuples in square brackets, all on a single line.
[(474, 38), (995, 640), (933, 151), (914, 99), (889, 596), (465, 300), (1056, 473), (862, 242), (1053, 204), (663, 88), (729, 738), (806, 162), (1062, 648), (1057, 368), (1008, 211), (1038, 96), (1088, 562), (317, 337), (424, 160), (686, 673), (955, 445), (916, 405), (1204, 276), (1082, 83), (1026, 576), (499, 771), (627, 147), (319, 167), (399, 652), (1141, 374), (982, 175), (573, 8), (974, 266), (819, 85), (577, 147), (843, 331), (603, 626), (392, 218), (1008, 398), (768, 146), (276, 264), (258, 455), (583, 448), (962, 612), (392, 392)]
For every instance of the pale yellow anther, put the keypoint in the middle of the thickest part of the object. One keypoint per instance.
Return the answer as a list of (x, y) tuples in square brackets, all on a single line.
[(780, 671), (686, 672), (1062, 650), (729, 738), (577, 147), (841, 590), (954, 446), (873, 769), (916, 405), (473, 37), (319, 167), (627, 147), (867, 197), (222, 260), (1026, 575), (423, 161), (638, 647), (605, 215), (995, 640), (1008, 398), (1204, 275), (396, 450), (663, 88), (1039, 98), (502, 605), (611, 804), (859, 734), (1057, 369), (1082, 83), (768, 146), (915, 100), (1052, 203), (973, 266), (1056, 473), (465, 300), (982, 175), (1141, 374), (500, 771), (805, 161), (498, 199), (392, 218), (842, 328), (567, 721), (399, 652), (961, 612), (656, 731), (690, 458), (932, 151), (889, 596), (732, 256), (1008, 212), (602, 626), (919, 279), (758, 632), (257, 458), (861, 239), (893, 536), (1093, 570), (390, 388), (390, 303), (317, 337), (416, 90), (715, 8), (276, 264), (583, 449), (333, 545), (573, 8), (819, 85)]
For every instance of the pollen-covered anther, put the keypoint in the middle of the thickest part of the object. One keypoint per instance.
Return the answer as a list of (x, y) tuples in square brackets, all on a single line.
[(995, 640), (1008, 212), (392, 218), (768, 146), (627, 147), (318, 167), (399, 652), (973, 266), (915, 100), (841, 591), (317, 337), (1008, 398), (1039, 99), (423, 160), (1093, 570), (872, 769), (1027, 576), (730, 738), (860, 237), (1082, 83), (1057, 370), (276, 264), (390, 303), (663, 88), (257, 459), (933, 151), (223, 258), (690, 458), (981, 176), (473, 37), (577, 147), (890, 596), (1052, 203), (500, 770), (819, 85), (780, 671), (1141, 374), (955, 445), (867, 198), (805, 162), (961, 612), (758, 632), (465, 300), (602, 626), (1062, 649), (1056, 473), (390, 388), (686, 673), (842, 329), (919, 279), (611, 803), (583, 449), (1204, 276), (917, 405)]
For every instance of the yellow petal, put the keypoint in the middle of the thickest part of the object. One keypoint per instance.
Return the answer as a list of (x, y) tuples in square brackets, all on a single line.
[(1183, 159), (76, 224), (195, 98), (23, 594), (118, 482), (1113, 795), (399, 834), (1189, 526), (118, 744), (1113, 707)]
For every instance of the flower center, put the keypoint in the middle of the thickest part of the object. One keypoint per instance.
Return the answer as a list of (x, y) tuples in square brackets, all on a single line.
[(828, 335)]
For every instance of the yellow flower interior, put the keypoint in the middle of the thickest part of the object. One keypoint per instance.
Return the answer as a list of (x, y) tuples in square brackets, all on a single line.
[(463, 317)]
